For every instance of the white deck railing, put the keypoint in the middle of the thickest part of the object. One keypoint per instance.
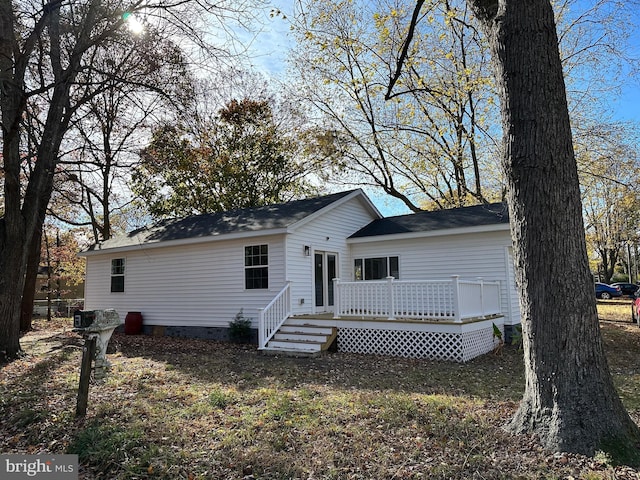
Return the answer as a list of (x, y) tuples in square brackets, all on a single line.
[(454, 300), (273, 315)]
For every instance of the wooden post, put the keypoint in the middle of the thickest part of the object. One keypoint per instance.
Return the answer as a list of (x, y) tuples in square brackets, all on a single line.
[(482, 309), (88, 352), (455, 286), (337, 298), (390, 300)]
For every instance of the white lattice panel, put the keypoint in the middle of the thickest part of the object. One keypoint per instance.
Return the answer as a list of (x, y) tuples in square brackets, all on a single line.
[(478, 342), (431, 345)]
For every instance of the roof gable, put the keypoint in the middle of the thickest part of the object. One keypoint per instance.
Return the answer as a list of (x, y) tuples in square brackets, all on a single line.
[(269, 218), (421, 222)]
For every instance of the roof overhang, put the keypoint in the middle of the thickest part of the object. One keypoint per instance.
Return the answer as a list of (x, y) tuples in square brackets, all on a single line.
[(181, 242), (497, 227)]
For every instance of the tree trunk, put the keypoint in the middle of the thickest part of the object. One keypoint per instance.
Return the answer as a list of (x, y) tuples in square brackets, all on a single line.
[(30, 280), (570, 400), (11, 278)]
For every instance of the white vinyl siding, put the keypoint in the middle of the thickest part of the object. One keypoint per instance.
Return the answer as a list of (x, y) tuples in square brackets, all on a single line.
[(193, 285), (203, 284), (327, 233), (437, 258)]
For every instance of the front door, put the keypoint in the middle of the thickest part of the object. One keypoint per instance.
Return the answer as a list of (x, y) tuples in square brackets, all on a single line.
[(324, 271)]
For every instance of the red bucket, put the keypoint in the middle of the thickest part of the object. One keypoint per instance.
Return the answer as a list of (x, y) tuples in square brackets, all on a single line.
[(133, 323)]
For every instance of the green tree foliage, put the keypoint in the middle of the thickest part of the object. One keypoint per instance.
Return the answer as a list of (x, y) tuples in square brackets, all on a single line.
[(241, 158)]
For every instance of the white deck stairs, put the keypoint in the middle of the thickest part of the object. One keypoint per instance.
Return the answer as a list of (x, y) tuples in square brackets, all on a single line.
[(301, 337)]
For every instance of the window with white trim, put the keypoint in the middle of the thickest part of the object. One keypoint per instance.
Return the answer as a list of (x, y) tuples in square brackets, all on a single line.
[(117, 275), (256, 267), (376, 268)]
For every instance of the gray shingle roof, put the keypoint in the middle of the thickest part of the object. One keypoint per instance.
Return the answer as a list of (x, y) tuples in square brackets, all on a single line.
[(495, 213), (255, 219)]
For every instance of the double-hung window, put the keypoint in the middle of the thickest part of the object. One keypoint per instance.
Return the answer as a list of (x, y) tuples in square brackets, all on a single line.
[(376, 268), (256, 267), (117, 275)]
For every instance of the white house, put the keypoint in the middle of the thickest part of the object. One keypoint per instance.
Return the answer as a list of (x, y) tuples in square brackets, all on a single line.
[(431, 284)]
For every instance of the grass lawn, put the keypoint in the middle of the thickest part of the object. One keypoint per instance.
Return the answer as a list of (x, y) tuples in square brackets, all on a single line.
[(189, 409)]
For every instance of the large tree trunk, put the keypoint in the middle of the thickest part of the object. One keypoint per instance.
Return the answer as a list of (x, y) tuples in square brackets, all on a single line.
[(24, 214), (570, 400), (12, 224), (11, 278)]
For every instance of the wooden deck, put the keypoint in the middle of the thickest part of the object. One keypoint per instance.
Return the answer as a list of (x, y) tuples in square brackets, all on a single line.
[(328, 316), (436, 339)]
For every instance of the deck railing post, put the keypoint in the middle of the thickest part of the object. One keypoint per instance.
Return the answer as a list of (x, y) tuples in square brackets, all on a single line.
[(455, 287), (337, 299), (482, 310), (261, 328), (289, 299), (391, 302)]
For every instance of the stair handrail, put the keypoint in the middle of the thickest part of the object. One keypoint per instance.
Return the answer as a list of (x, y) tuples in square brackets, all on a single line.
[(274, 315)]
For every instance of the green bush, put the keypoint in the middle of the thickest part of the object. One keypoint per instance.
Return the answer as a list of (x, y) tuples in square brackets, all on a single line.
[(619, 277), (240, 328)]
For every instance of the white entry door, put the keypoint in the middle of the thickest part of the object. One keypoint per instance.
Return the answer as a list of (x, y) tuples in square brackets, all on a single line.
[(325, 269)]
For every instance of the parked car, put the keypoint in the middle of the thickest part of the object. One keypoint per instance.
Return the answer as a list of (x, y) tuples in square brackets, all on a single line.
[(635, 308), (605, 292), (627, 288)]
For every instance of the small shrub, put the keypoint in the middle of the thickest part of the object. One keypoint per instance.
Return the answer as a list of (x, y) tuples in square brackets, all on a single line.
[(497, 334), (516, 337), (240, 328), (219, 399)]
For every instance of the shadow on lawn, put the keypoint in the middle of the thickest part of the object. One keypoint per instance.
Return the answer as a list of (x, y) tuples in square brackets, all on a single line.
[(491, 377)]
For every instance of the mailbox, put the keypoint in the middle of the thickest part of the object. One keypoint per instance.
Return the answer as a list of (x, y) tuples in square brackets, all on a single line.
[(83, 318)]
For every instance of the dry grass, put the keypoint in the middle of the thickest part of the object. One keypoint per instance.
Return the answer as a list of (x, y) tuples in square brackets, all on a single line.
[(187, 409)]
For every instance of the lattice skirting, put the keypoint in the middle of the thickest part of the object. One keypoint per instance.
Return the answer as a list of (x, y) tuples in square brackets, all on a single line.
[(457, 347)]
